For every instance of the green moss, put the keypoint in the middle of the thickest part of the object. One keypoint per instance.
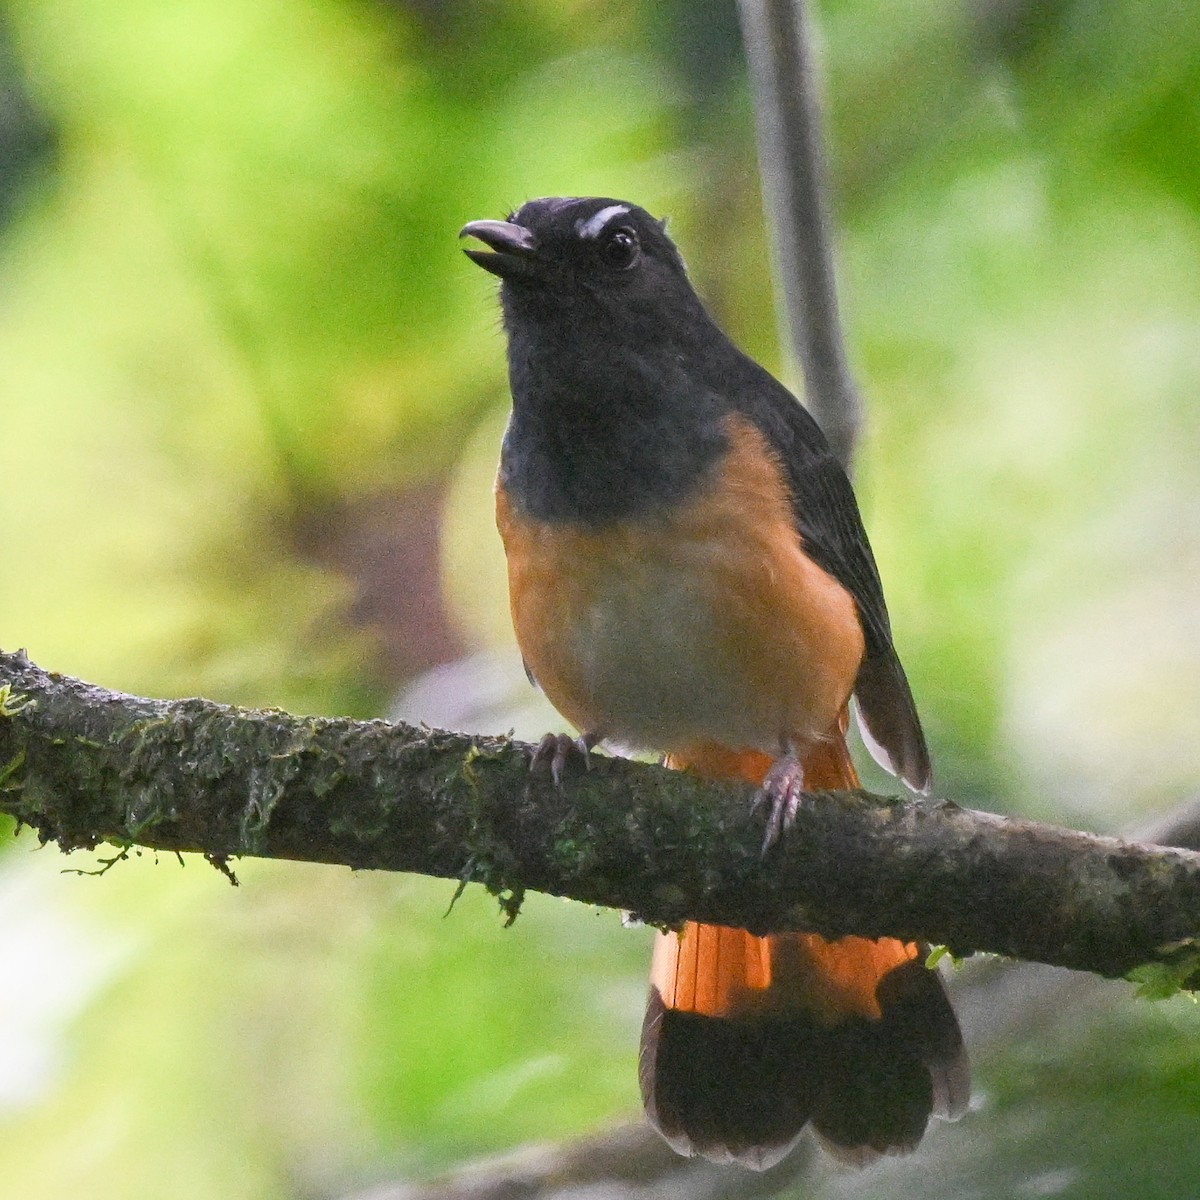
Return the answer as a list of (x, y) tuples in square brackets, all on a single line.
[(9, 770), (12, 702), (937, 953), (491, 861), (1162, 980)]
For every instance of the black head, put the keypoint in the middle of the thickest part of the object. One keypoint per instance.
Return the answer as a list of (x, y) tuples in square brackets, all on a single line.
[(609, 350), (584, 256)]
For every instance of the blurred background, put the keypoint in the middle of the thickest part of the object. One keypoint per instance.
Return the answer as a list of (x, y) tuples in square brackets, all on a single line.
[(250, 401)]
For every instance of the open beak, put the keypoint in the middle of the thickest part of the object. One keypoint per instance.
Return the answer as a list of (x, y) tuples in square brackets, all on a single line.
[(512, 250)]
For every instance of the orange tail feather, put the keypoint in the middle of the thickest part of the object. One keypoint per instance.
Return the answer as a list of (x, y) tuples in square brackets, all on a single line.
[(747, 1039)]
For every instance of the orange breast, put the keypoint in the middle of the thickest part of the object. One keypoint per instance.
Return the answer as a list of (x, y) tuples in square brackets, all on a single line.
[(707, 623)]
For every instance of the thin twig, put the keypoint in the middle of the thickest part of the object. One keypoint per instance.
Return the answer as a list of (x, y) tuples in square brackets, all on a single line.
[(792, 163)]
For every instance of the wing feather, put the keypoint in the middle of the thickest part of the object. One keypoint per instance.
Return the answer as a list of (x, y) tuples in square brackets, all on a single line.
[(831, 528)]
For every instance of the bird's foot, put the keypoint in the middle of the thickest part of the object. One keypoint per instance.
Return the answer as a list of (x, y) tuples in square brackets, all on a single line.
[(555, 750), (781, 794)]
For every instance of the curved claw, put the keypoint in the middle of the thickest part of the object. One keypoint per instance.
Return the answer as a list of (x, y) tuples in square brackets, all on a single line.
[(782, 793), (556, 749)]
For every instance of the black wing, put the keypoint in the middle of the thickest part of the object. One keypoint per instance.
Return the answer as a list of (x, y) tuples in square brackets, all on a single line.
[(831, 528)]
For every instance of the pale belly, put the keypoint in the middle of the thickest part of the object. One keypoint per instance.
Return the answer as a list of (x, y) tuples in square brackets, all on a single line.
[(649, 656), (692, 630)]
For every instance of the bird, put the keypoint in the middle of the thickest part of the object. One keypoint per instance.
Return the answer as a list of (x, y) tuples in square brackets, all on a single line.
[(689, 575)]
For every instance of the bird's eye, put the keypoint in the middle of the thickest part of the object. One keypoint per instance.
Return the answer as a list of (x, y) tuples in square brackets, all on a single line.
[(619, 248)]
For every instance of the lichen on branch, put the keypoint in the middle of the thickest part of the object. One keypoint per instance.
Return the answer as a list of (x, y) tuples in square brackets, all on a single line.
[(83, 765)]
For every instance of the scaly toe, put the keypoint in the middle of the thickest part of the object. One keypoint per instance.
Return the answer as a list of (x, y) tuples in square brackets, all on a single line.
[(555, 751), (782, 793)]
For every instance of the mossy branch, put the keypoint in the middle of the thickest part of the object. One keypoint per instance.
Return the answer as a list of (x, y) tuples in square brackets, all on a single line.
[(83, 765)]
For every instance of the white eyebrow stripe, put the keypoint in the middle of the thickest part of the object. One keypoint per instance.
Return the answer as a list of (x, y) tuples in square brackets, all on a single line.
[(597, 221)]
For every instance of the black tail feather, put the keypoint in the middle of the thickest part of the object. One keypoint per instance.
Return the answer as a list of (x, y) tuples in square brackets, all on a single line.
[(728, 1089), (743, 1088)]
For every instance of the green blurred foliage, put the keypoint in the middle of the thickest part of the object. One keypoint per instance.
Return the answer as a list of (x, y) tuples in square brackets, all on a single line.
[(244, 304), (233, 308), (312, 1027)]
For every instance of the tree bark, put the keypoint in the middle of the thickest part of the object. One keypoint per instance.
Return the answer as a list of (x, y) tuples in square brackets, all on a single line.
[(83, 765)]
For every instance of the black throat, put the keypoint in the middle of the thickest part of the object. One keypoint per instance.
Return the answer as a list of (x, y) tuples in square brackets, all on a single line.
[(604, 426)]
